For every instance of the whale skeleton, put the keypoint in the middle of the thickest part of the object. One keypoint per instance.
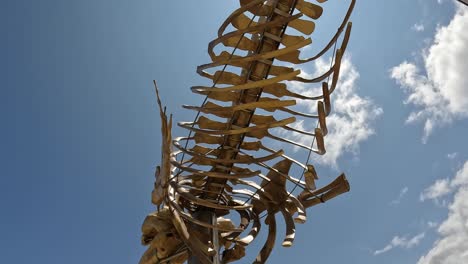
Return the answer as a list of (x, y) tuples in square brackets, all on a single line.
[(216, 186)]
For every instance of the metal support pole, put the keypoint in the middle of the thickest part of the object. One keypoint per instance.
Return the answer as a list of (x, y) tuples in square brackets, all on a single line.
[(205, 234), (215, 239)]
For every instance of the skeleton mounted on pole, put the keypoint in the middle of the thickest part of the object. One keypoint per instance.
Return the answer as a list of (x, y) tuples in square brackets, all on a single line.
[(215, 186)]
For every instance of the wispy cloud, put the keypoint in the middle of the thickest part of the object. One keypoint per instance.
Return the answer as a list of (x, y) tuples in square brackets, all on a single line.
[(432, 224), (400, 196), (418, 27), (440, 95), (452, 156), (352, 117), (452, 247), (401, 242)]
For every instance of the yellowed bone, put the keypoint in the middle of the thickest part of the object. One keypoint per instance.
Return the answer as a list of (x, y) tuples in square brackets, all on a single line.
[(303, 26), (163, 173), (210, 167), (309, 9)]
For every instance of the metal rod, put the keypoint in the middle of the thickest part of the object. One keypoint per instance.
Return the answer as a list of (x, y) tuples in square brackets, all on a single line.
[(205, 237), (168, 259), (214, 221)]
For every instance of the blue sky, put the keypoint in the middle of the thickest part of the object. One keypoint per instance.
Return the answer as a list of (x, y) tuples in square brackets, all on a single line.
[(80, 128)]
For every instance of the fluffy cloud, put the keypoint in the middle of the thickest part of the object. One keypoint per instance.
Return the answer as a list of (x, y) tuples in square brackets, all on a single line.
[(452, 247), (438, 189), (442, 187), (440, 91), (351, 120), (401, 242)]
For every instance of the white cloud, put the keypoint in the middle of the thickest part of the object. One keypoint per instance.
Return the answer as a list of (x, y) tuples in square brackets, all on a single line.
[(439, 189), (452, 247), (461, 178), (401, 242), (400, 196), (442, 187), (418, 27), (452, 156), (440, 92), (432, 224), (350, 122)]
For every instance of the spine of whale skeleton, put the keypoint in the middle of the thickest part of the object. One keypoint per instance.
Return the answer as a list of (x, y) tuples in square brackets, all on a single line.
[(228, 165)]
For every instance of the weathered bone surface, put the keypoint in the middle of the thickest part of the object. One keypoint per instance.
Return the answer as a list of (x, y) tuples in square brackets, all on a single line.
[(228, 165)]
